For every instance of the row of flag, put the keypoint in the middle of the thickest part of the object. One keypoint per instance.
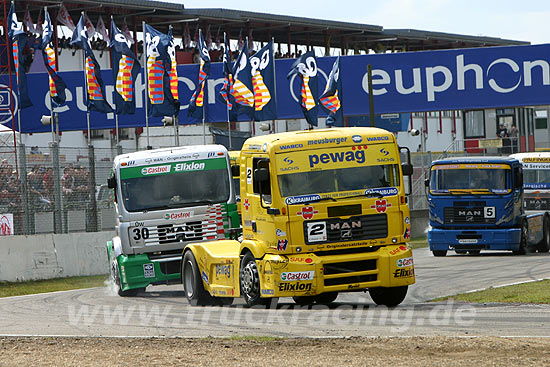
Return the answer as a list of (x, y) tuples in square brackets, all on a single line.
[(248, 89)]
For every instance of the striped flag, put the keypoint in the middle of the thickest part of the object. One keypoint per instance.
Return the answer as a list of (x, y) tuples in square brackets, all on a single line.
[(242, 87), (19, 40), (262, 66), (331, 99), (227, 73), (57, 85), (306, 69), (125, 71), (196, 104), (96, 88)]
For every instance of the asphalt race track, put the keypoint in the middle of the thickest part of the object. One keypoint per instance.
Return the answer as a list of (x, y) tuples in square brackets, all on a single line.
[(163, 310)]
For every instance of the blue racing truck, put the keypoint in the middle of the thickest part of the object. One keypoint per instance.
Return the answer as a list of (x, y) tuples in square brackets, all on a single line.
[(476, 203)]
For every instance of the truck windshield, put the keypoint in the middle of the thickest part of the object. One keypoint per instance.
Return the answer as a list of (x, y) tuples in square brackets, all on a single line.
[(536, 178), (493, 180), (336, 180), (175, 190)]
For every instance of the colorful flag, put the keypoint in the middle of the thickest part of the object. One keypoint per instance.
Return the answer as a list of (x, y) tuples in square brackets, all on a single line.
[(331, 99), (57, 85), (228, 74), (242, 88), (64, 17), (125, 71), (159, 64), (89, 26), (172, 69), (27, 20), (306, 68), (94, 83), (19, 40), (101, 29), (263, 81), (127, 34), (196, 103)]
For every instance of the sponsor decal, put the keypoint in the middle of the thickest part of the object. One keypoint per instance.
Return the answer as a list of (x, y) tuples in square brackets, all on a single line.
[(316, 231), (280, 233), (388, 191), (129, 163), (6, 225), (149, 270), (407, 234), (331, 141), (291, 146), (281, 245), (268, 292), (155, 170), (353, 286), (181, 215), (384, 152), (465, 241), (246, 204), (307, 212), (288, 161), (294, 287), (384, 160), (297, 276), (380, 205), (264, 147), (205, 277), (403, 273), (254, 147), (357, 156), (192, 166), (357, 138), (291, 200), (398, 250), (534, 186), (223, 270), (378, 138), (307, 260), (407, 220), (404, 262), (537, 160)]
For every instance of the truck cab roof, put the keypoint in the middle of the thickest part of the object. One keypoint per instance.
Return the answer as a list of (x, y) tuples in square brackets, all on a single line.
[(459, 160), (174, 153), (521, 156)]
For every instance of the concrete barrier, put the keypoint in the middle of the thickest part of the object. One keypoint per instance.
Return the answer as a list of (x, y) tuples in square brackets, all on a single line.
[(46, 256)]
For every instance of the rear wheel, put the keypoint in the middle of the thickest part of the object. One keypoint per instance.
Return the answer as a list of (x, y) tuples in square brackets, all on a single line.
[(544, 244), (250, 283), (439, 253), (390, 297), (192, 282)]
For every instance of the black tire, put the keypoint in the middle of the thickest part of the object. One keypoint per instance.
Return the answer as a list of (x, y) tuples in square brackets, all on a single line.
[(192, 282), (389, 297), (326, 298), (116, 280), (304, 300), (250, 283), (544, 244), (474, 252), (522, 241), (461, 251), (439, 253)]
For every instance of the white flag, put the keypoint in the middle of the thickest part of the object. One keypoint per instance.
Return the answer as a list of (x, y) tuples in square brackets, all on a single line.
[(27, 20), (127, 33), (64, 17), (89, 26), (38, 29), (100, 28)]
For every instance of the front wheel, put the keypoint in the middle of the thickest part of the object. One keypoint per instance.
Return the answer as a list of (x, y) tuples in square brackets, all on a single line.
[(389, 297), (544, 244), (115, 277), (192, 282), (439, 253), (250, 282)]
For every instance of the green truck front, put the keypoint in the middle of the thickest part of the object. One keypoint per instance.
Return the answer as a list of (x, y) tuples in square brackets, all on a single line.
[(165, 199)]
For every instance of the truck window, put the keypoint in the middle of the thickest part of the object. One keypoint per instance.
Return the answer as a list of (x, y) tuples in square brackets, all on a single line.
[(175, 190), (470, 179), (537, 178), (335, 180)]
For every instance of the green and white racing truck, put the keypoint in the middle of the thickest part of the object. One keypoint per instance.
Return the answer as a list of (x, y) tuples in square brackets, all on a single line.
[(165, 199)]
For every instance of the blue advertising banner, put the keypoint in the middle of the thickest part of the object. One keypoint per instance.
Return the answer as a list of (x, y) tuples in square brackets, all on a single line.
[(491, 77)]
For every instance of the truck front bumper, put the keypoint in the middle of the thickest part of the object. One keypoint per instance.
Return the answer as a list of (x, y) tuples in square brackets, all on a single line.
[(474, 239)]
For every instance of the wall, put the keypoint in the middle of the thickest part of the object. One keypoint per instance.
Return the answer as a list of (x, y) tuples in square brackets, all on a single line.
[(53, 256), (419, 223)]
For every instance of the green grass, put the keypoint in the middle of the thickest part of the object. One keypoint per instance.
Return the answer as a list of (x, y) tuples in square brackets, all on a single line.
[(8, 289), (418, 242), (532, 292)]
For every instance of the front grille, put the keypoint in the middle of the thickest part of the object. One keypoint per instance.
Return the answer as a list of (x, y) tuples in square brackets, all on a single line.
[(356, 228), (349, 267), (464, 215), (351, 280), (348, 251), (536, 204)]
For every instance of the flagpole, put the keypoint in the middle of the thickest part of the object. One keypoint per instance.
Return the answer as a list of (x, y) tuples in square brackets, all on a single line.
[(228, 52), (203, 119), (116, 128), (145, 79), (274, 79), (87, 97)]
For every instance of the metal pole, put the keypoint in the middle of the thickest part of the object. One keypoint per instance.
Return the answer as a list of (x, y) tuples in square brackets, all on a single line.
[(204, 120), (146, 82), (25, 215), (54, 148), (116, 129), (91, 187), (371, 97), (176, 130)]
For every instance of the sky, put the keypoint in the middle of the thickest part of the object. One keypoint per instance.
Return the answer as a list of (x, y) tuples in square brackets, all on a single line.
[(527, 20)]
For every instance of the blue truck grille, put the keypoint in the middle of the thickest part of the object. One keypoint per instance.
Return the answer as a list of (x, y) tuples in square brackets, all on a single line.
[(463, 215)]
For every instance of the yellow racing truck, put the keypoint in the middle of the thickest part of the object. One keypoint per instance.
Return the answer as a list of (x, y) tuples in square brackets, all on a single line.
[(323, 212)]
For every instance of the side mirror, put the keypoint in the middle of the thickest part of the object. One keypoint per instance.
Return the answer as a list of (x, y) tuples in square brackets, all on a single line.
[(407, 169), (427, 182), (111, 182), (261, 175), (235, 171)]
